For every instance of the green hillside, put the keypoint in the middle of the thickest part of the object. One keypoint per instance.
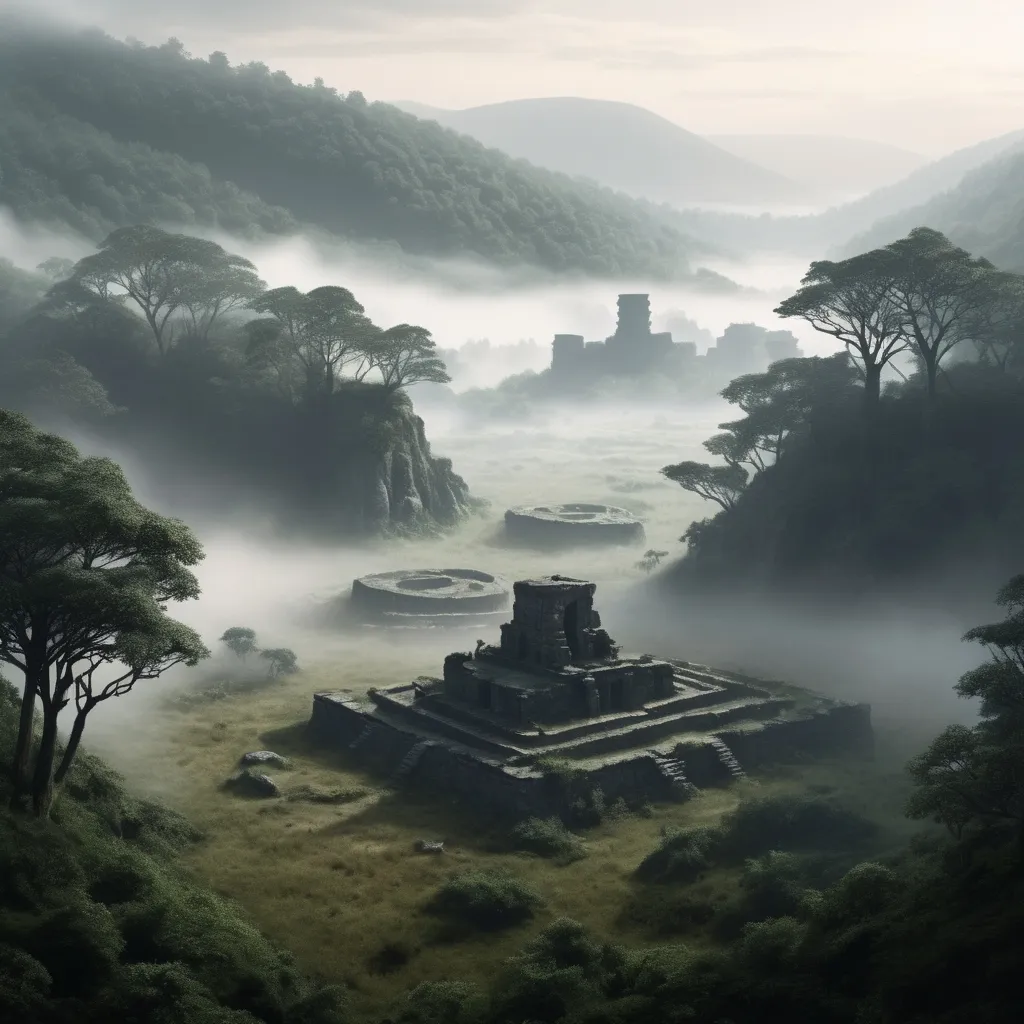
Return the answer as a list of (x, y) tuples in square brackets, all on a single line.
[(61, 172), (365, 171), (984, 213)]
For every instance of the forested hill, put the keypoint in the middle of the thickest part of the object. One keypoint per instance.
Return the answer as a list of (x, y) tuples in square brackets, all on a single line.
[(358, 169)]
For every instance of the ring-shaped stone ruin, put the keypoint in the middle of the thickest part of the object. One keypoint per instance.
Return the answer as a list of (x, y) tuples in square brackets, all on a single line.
[(573, 523), (412, 593)]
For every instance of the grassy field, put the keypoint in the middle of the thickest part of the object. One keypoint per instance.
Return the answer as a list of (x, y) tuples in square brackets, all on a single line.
[(337, 883)]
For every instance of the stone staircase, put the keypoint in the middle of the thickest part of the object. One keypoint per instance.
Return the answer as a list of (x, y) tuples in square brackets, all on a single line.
[(673, 769), (727, 758), (410, 761), (361, 738)]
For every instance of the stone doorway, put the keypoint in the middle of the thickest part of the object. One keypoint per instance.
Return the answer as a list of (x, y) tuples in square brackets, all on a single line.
[(615, 695), (483, 689), (571, 628)]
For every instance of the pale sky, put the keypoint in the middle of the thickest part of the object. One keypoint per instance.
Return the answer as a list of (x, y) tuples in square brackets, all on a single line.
[(930, 75)]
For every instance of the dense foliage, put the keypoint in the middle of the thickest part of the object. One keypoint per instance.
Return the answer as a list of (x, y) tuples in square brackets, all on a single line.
[(830, 476), (357, 169), (63, 173), (86, 573), (171, 348), (97, 923)]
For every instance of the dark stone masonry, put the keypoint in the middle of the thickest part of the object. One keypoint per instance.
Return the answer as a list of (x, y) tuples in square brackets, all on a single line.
[(503, 728)]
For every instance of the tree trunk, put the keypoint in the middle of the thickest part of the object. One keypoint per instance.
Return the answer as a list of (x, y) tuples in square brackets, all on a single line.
[(72, 748), (872, 387), (42, 781), (932, 374), (23, 746)]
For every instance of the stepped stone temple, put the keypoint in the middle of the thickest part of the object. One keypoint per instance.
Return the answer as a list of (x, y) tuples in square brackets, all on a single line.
[(500, 727)]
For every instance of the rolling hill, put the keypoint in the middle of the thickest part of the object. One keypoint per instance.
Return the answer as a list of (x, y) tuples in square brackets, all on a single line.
[(984, 213), (832, 166), (97, 133), (971, 193), (621, 146)]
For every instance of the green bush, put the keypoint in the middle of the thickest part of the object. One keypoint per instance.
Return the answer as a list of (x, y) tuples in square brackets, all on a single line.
[(548, 837), (487, 900), (792, 823), (439, 1002), (681, 856)]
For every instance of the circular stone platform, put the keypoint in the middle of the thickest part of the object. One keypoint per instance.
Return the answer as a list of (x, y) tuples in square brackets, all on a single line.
[(427, 592), (567, 524)]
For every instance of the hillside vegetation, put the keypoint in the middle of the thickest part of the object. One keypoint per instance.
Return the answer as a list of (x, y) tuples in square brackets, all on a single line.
[(984, 212), (65, 173), (971, 194), (98, 923), (833, 476), (174, 351), (361, 170)]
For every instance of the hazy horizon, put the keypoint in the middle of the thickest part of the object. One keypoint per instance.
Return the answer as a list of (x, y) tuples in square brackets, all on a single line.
[(735, 67)]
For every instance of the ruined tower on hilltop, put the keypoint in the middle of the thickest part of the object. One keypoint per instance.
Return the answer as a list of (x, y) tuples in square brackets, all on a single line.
[(633, 348), (634, 316)]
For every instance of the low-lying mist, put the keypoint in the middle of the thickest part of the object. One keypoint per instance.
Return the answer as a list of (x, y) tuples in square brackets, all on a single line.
[(609, 453), (461, 301)]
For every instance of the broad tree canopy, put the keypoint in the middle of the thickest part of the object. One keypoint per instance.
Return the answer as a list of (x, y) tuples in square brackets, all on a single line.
[(180, 283), (86, 573)]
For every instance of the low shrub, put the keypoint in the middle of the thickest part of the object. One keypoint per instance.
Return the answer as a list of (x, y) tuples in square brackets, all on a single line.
[(681, 856), (548, 837), (792, 823), (486, 900)]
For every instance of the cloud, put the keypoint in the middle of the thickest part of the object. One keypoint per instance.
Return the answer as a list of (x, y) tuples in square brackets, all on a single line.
[(255, 17), (353, 46), (687, 60)]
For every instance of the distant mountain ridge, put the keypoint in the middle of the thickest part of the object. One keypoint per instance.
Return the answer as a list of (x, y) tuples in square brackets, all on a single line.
[(81, 114), (984, 212), (972, 194), (834, 166), (619, 145)]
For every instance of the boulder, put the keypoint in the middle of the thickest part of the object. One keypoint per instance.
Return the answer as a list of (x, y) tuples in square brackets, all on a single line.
[(252, 784), (265, 757)]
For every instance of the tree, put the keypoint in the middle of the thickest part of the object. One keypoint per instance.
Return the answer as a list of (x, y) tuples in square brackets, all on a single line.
[(778, 403), (168, 275), (281, 661), (85, 576), (308, 340), (853, 301), (405, 354), (940, 290), (241, 640), (721, 484), (997, 327), (56, 268), (975, 776)]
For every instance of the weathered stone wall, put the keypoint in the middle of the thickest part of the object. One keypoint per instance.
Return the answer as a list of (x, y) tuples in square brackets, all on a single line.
[(491, 788)]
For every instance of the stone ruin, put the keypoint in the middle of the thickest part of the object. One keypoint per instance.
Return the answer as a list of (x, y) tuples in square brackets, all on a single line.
[(557, 690), (408, 596), (635, 349), (564, 525)]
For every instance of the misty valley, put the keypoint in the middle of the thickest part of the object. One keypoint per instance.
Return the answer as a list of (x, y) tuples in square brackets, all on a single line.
[(498, 565)]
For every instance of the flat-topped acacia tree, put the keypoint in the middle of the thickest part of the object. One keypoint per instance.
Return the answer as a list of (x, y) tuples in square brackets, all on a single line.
[(85, 576)]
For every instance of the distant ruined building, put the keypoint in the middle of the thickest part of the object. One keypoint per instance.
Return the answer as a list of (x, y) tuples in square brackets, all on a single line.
[(635, 349)]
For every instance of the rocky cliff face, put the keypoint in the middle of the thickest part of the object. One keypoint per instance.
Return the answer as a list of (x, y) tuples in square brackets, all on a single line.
[(408, 488)]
